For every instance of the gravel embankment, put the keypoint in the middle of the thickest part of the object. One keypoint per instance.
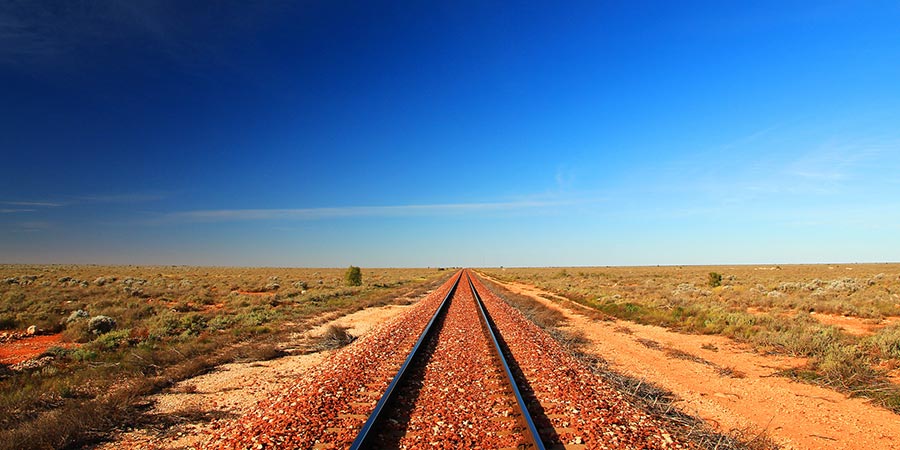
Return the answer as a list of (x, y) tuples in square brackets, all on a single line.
[(458, 398), (329, 404), (580, 407)]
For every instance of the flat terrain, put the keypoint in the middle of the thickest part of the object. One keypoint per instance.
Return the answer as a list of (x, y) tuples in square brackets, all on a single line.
[(233, 390), (844, 319), (450, 398), (808, 356), (82, 347), (727, 383)]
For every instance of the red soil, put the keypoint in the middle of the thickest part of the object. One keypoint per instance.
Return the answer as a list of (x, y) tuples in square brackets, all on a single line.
[(24, 349), (855, 325)]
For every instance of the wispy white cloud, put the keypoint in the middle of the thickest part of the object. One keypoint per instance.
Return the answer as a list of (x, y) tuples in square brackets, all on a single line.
[(820, 175), (231, 215), (13, 210), (831, 168), (41, 204), (835, 161), (25, 207), (84, 199), (751, 138)]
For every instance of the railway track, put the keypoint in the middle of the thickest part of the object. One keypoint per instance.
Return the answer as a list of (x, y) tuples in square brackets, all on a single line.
[(442, 376), (456, 383)]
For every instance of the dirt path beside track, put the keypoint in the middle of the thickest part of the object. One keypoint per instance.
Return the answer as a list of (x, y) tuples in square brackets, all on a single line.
[(186, 410), (728, 385)]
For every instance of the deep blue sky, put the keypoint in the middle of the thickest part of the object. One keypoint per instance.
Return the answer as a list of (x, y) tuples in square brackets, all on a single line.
[(469, 133)]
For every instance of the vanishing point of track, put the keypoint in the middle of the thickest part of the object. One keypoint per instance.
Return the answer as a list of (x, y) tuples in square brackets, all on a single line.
[(448, 387), (501, 420)]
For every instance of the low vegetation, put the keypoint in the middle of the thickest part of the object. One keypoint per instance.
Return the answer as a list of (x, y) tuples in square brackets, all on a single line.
[(353, 276), (652, 398), (777, 309), (125, 332), (334, 337), (715, 279)]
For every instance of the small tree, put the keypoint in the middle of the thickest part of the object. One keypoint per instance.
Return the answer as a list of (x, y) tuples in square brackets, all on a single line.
[(353, 277), (715, 279)]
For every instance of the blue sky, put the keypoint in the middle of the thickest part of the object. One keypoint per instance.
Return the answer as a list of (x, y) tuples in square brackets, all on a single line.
[(467, 133)]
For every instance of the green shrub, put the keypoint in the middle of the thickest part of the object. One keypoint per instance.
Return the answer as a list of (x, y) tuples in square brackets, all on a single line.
[(77, 332), (886, 342), (221, 322), (165, 324), (353, 277), (112, 340), (57, 352), (845, 367), (715, 279), (83, 354), (174, 324), (193, 324), (258, 316)]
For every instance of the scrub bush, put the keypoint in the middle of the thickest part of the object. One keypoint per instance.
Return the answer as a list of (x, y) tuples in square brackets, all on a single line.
[(353, 277)]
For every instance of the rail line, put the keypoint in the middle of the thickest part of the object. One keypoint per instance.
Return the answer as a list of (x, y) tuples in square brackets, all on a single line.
[(401, 399), (454, 390)]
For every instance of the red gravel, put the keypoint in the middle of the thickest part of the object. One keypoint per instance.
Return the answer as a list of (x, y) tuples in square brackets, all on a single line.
[(328, 405), (459, 395), (581, 407)]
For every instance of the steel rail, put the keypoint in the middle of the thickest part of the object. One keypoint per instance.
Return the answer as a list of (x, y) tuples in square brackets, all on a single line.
[(362, 439), (523, 409)]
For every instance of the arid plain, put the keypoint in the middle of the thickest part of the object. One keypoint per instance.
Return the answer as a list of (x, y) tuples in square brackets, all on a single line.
[(792, 356)]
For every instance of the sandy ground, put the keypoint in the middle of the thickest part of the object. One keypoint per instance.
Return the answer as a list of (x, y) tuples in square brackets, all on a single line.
[(855, 325), (234, 389), (797, 416), (852, 325)]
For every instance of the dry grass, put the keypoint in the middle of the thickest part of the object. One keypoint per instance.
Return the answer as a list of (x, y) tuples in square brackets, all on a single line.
[(651, 398), (649, 343), (680, 354), (261, 352), (859, 290), (730, 372), (334, 338), (173, 323), (767, 307)]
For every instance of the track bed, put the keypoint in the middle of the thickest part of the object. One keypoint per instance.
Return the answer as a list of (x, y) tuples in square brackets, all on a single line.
[(435, 378)]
